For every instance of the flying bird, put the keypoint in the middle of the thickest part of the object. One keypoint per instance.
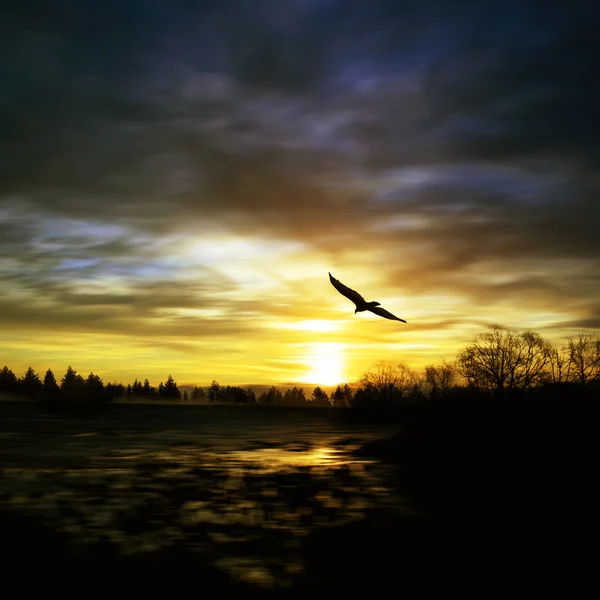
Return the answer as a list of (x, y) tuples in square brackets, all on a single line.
[(361, 303)]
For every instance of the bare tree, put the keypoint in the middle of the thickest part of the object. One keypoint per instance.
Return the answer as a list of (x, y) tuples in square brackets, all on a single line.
[(531, 364), (559, 367), (387, 378), (503, 359), (584, 358), (441, 378)]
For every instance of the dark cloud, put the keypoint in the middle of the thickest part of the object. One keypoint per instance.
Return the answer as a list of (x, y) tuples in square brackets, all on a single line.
[(102, 316), (435, 142)]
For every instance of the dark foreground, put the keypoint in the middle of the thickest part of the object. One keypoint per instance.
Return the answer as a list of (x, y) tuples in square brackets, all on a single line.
[(291, 501)]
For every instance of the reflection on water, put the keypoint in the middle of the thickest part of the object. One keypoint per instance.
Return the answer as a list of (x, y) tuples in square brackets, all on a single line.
[(242, 502)]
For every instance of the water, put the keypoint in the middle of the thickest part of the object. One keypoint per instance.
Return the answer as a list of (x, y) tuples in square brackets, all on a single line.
[(239, 486)]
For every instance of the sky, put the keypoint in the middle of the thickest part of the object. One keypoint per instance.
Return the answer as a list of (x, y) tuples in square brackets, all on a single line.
[(177, 179)]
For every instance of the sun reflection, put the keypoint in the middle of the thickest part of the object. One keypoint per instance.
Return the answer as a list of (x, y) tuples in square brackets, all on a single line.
[(326, 362), (273, 459)]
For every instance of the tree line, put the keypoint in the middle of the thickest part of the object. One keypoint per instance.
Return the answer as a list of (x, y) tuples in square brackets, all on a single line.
[(73, 388), (498, 362), (273, 396)]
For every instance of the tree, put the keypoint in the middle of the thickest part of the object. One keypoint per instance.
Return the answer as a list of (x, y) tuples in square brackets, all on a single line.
[(94, 388), (147, 390), (319, 398), (390, 380), (440, 378), (384, 388), (294, 397), (50, 389), (341, 397), (251, 396), (559, 364), (231, 393), (8, 380), (271, 396), (185, 397), (214, 392), (170, 389), (198, 394), (137, 389), (584, 358), (234, 394), (30, 384), (71, 385), (115, 390), (501, 360)]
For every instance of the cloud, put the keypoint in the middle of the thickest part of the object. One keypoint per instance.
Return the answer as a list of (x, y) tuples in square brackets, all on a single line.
[(420, 149)]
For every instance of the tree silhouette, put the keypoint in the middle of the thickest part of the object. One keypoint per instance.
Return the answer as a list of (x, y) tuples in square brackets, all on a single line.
[(501, 360), (94, 388), (50, 389), (367, 398), (584, 358), (294, 397), (214, 392), (137, 389), (30, 384), (198, 394), (385, 388), (235, 394), (319, 397), (390, 379), (147, 390), (170, 389), (441, 378), (8, 380), (114, 390), (341, 397), (71, 385), (271, 396), (559, 365)]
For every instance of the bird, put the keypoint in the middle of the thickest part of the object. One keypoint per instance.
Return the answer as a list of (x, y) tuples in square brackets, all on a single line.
[(361, 303)]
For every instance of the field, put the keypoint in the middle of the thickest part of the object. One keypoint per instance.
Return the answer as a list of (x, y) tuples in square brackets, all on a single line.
[(277, 499), (243, 492)]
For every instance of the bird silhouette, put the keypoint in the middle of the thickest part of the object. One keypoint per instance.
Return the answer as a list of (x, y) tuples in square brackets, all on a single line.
[(361, 303)]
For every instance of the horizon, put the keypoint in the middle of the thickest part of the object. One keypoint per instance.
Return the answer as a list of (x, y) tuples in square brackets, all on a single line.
[(179, 179), (580, 349)]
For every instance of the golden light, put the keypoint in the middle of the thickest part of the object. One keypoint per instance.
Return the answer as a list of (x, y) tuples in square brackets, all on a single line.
[(326, 362), (310, 325), (272, 459)]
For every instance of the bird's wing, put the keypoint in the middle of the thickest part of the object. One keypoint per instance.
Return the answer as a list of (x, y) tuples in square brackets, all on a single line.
[(384, 313), (346, 291)]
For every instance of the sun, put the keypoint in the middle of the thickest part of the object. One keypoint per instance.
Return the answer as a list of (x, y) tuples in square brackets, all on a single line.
[(326, 363)]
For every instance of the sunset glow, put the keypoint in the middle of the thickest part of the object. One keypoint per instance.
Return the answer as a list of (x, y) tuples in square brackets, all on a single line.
[(174, 201), (326, 363)]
